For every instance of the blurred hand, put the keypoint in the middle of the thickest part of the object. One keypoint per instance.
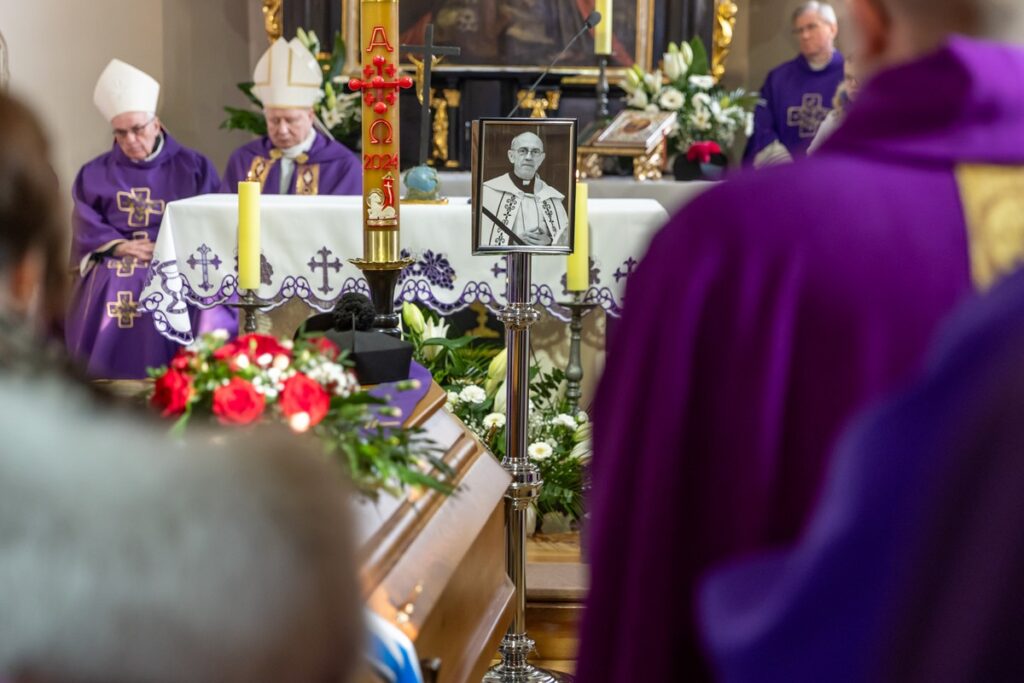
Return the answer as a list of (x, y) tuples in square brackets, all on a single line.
[(141, 249)]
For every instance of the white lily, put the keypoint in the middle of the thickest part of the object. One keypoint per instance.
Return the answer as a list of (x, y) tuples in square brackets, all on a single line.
[(496, 372), (638, 100), (412, 316), (686, 53), (703, 82), (653, 81)]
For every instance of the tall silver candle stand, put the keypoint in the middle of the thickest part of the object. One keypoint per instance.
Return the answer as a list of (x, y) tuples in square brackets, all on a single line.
[(518, 316), (574, 369)]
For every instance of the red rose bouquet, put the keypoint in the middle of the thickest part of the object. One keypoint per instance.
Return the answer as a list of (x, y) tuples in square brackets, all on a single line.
[(305, 385)]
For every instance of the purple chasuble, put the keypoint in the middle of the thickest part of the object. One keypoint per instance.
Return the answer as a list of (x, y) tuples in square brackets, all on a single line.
[(763, 315), (331, 168), (907, 536), (795, 99), (117, 199)]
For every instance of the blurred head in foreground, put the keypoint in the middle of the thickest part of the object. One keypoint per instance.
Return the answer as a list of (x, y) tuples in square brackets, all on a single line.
[(211, 561)]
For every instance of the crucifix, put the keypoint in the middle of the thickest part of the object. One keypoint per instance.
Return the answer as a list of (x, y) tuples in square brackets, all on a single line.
[(430, 53)]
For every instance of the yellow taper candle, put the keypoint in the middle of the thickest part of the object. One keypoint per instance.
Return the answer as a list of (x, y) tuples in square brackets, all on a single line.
[(603, 31), (249, 235), (577, 274)]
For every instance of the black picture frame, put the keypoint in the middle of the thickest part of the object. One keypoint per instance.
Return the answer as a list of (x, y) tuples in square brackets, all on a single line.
[(498, 190)]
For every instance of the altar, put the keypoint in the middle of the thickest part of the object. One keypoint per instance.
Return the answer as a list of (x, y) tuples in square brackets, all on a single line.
[(307, 243)]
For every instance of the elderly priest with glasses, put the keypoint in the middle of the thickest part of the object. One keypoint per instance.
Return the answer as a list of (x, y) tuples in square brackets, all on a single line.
[(292, 158), (119, 200)]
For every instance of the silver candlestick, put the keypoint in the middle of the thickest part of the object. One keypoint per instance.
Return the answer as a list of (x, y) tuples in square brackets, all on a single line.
[(250, 307), (574, 369), (602, 88), (518, 316)]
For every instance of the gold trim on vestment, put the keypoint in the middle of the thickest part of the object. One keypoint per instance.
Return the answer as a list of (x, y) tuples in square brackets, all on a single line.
[(993, 201), (307, 179)]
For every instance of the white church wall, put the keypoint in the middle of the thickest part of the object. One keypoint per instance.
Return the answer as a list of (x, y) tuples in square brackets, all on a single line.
[(58, 49), (197, 49)]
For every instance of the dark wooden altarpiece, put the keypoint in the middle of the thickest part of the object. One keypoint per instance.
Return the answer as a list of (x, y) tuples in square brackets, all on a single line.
[(484, 84)]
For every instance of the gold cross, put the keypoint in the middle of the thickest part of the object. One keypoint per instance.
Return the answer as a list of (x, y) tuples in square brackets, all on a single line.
[(139, 206), (125, 310), (808, 116), (125, 265)]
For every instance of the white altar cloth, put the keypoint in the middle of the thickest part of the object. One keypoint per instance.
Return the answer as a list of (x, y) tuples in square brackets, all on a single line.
[(306, 243)]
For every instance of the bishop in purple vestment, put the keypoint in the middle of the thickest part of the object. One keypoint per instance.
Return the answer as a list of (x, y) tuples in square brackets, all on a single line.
[(292, 158), (771, 309), (797, 96), (119, 199)]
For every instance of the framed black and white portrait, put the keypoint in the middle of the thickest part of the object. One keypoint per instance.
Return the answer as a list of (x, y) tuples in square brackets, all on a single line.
[(524, 185)]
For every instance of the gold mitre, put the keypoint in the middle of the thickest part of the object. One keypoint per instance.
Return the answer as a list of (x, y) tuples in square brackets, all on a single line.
[(122, 88), (287, 76)]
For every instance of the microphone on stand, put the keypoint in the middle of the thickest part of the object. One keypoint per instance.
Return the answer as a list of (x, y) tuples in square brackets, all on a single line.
[(593, 20)]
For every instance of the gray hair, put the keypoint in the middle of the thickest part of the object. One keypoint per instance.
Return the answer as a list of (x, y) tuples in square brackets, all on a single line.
[(824, 10), (512, 145), (124, 557)]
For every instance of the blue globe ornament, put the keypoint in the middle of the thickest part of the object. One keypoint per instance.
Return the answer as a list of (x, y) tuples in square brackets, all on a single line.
[(422, 183)]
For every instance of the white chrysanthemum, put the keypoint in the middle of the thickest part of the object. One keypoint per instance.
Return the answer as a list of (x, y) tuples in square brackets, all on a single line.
[(494, 421), (539, 450), (701, 100), (453, 398), (564, 420), (671, 99), (702, 82), (472, 394), (652, 108), (219, 334)]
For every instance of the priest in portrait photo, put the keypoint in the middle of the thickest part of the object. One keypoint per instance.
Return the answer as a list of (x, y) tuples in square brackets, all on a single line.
[(520, 209), (119, 200), (293, 157)]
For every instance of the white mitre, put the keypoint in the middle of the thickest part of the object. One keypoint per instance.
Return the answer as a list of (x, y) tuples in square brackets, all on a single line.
[(123, 88), (287, 76)]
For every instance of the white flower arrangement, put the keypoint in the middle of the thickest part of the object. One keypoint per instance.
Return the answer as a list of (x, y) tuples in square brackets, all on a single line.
[(705, 111)]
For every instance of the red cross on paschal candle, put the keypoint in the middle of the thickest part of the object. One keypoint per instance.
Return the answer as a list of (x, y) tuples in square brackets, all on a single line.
[(374, 88)]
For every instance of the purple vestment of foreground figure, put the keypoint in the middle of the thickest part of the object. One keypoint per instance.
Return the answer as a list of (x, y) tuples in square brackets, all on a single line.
[(902, 575), (795, 100), (764, 315), (117, 199), (331, 168)]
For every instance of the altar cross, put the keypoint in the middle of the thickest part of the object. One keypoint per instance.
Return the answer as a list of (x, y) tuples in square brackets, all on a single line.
[(204, 262), (323, 263), (429, 51)]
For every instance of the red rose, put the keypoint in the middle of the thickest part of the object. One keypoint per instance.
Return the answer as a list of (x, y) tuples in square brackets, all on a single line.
[(255, 345), (171, 393), (301, 397), (182, 360), (325, 347), (227, 351), (237, 403)]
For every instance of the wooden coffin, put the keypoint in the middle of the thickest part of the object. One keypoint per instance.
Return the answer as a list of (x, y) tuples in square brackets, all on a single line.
[(435, 565)]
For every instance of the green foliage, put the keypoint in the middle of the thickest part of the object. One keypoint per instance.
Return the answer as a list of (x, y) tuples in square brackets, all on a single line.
[(473, 372), (701, 65)]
